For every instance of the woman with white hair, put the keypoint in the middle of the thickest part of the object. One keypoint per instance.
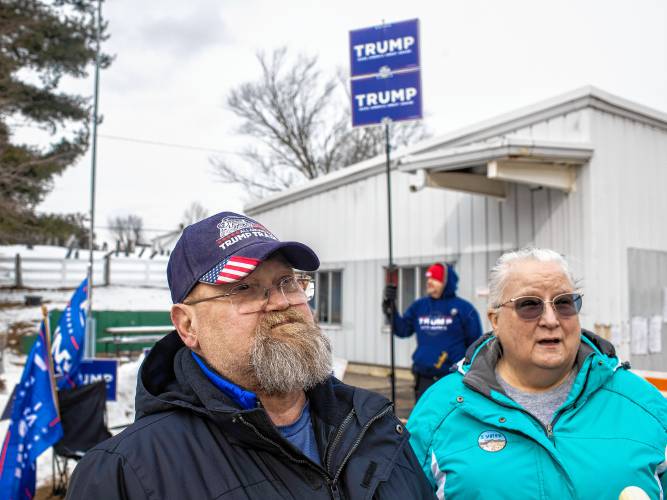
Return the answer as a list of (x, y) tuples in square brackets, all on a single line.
[(540, 408)]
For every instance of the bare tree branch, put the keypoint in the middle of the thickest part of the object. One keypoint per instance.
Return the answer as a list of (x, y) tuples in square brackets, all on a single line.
[(127, 230), (195, 212), (299, 122)]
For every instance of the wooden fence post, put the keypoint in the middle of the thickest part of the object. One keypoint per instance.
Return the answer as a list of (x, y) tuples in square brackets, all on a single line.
[(107, 269), (18, 275)]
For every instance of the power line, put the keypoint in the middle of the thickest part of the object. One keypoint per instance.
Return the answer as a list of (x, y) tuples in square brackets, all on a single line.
[(167, 144), (147, 229)]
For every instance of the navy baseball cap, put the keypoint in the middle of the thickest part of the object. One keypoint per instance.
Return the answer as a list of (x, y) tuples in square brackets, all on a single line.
[(226, 248)]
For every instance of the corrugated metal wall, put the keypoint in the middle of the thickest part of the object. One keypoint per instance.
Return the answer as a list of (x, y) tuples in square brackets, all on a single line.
[(647, 282), (628, 206)]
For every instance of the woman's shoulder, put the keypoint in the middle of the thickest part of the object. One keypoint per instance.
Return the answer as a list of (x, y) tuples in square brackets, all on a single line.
[(439, 399), (640, 392)]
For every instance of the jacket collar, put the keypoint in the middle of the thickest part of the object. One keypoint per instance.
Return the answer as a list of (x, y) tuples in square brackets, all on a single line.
[(479, 365), (245, 399), (170, 377)]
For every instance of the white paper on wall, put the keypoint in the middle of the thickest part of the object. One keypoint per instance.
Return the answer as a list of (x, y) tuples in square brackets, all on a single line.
[(615, 335), (655, 334), (639, 335), (625, 333), (622, 345)]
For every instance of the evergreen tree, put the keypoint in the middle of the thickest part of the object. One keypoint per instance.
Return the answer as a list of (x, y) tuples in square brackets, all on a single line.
[(40, 42)]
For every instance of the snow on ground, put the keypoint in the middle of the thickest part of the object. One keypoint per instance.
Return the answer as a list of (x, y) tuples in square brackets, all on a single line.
[(42, 251), (55, 252), (105, 298)]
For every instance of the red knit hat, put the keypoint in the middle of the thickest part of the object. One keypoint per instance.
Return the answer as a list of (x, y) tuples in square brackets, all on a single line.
[(436, 272)]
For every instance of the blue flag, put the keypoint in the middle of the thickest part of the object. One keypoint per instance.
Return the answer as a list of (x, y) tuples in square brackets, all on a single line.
[(34, 426), (68, 339)]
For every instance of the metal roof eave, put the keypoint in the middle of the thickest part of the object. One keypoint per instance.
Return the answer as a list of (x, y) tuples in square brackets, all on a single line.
[(481, 154)]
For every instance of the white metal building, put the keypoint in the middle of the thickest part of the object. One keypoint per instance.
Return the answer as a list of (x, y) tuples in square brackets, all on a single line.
[(584, 173)]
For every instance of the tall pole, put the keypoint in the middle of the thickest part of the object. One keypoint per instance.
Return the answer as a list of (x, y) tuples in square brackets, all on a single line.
[(392, 352), (90, 328)]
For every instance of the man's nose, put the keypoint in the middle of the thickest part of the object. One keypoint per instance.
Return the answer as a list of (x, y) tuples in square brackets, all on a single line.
[(276, 300)]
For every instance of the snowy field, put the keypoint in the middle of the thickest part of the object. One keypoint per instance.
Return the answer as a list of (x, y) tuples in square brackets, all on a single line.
[(54, 252)]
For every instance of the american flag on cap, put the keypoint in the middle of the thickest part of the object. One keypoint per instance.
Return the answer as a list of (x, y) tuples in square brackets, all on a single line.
[(230, 270)]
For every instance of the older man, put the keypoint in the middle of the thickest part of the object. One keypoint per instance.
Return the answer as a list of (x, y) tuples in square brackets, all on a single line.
[(239, 401)]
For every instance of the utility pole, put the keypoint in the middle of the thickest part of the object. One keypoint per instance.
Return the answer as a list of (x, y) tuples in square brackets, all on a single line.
[(90, 322)]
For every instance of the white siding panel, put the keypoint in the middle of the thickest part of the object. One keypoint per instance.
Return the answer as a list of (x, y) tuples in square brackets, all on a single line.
[(572, 127), (541, 217)]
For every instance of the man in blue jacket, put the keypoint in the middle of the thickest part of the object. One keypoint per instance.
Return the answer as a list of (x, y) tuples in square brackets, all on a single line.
[(445, 325), (239, 400)]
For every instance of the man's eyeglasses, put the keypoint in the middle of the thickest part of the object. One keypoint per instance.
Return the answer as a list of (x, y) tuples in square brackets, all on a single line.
[(530, 308), (250, 298)]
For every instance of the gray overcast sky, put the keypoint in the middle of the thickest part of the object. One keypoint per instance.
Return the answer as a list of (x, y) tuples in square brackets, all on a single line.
[(176, 61)]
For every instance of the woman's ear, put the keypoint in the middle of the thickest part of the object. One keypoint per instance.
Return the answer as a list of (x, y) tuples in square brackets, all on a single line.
[(181, 317), (492, 314)]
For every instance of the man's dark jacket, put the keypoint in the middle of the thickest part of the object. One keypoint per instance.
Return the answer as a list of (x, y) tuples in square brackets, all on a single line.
[(192, 441)]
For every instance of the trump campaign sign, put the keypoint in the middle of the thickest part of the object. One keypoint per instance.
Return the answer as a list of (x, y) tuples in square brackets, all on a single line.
[(394, 45), (96, 369), (385, 76), (397, 97)]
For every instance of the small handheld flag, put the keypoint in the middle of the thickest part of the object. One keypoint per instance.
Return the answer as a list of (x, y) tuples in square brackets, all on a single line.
[(68, 339), (35, 422)]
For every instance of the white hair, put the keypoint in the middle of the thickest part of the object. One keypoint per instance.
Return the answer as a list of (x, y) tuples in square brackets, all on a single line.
[(500, 271)]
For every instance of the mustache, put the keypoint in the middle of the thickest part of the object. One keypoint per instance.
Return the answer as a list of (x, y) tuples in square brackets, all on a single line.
[(297, 359), (274, 318)]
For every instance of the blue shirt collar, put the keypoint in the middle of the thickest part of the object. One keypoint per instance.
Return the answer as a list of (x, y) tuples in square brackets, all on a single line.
[(245, 399)]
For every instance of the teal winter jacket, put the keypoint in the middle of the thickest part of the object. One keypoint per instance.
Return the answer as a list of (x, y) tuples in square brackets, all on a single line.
[(473, 441)]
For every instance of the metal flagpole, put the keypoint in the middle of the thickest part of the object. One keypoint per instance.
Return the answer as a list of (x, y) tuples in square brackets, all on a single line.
[(390, 271), (90, 323)]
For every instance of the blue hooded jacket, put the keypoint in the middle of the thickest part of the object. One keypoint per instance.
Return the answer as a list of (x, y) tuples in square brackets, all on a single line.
[(445, 328)]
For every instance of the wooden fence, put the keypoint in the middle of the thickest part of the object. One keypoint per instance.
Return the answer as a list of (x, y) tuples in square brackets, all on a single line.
[(49, 272)]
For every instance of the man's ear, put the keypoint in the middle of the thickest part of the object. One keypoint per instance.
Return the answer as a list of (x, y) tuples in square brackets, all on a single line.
[(181, 317)]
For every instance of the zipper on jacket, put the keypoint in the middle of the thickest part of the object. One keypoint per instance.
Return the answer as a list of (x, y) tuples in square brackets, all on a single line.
[(317, 469), (574, 403), (335, 492), (332, 444), (359, 438), (550, 431)]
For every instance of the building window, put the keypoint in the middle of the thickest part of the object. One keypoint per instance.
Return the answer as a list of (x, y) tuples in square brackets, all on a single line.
[(421, 271), (411, 286), (328, 300), (407, 279)]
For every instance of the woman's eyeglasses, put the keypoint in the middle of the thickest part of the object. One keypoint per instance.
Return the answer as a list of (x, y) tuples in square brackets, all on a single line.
[(530, 308)]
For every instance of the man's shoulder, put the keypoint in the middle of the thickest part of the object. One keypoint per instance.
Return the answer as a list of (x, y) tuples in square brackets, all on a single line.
[(364, 401), (146, 430), (462, 305)]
